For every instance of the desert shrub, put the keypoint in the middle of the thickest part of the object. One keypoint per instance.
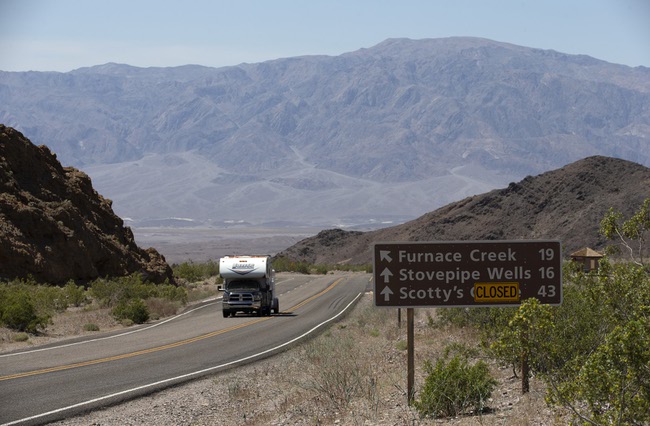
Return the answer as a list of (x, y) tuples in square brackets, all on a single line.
[(74, 294), (134, 310), (21, 337), (169, 292), (193, 272), (302, 268), (322, 269), (91, 327), (488, 320), (592, 351), (48, 299), (631, 236), (605, 373), (110, 292), (367, 268), (201, 292), (453, 387), (339, 372), (615, 380), (114, 291), (159, 307), (19, 313), (284, 264)]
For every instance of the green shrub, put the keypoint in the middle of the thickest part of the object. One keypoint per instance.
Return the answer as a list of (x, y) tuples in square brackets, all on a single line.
[(615, 380), (321, 269), (18, 312), (199, 293), (91, 327), (107, 292), (488, 320), (401, 345), (338, 371), (527, 334), (169, 292), (283, 264), (48, 299), (453, 388), (134, 310), (193, 272), (600, 346), (115, 291), (160, 307), (21, 337), (74, 294)]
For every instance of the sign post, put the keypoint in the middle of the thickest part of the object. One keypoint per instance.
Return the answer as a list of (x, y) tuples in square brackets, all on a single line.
[(464, 274)]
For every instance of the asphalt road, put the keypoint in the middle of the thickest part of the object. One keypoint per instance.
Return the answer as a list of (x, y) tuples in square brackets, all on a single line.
[(53, 382)]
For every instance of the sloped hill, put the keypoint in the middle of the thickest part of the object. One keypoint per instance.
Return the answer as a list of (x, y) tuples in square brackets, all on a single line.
[(55, 227), (566, 204)]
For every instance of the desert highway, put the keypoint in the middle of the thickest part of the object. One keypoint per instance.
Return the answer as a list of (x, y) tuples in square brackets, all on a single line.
[(57, 381)]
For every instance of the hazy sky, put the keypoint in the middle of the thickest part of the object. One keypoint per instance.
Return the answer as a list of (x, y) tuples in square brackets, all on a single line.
[(61, 35)]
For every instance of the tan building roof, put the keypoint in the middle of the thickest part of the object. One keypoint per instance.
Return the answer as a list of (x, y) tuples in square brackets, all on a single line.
[(586, 252)]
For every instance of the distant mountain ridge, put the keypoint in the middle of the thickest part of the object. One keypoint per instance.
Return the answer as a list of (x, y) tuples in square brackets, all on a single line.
[(383, 133), (566, 204)]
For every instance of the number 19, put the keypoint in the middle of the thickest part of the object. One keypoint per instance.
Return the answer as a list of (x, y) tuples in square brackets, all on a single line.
[(547, 253)]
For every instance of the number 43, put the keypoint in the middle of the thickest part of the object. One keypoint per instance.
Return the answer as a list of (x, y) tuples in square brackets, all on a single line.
[(546, 291)]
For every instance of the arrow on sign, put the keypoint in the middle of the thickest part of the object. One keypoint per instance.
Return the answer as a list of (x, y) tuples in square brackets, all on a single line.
[(386, 274), (386, 292), (385, 255)]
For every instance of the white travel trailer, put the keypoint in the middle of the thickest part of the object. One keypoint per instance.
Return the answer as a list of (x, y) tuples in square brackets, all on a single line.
[(249, 285)]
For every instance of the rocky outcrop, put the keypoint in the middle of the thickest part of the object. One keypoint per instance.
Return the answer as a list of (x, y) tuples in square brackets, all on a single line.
[(55, 227), (566, 204)]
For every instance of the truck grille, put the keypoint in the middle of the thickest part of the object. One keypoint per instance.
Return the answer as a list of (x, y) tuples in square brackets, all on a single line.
[(241, 297)]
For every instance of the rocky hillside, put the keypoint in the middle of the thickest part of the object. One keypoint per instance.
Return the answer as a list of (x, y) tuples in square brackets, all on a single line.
[(386, 133), (55, 227), (565, 204)]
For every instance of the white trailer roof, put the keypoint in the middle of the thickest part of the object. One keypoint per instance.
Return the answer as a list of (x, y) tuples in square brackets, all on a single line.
[(244, 266)]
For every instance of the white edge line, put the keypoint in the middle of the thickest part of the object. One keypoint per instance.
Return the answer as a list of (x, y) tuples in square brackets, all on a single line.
[(49, 348), (184, 376)]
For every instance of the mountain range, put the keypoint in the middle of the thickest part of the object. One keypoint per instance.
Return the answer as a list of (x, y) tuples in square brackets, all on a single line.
[(370, 137)]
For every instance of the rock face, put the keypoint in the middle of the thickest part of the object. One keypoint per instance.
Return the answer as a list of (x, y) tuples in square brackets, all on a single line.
[(55, 227), (566, 204)]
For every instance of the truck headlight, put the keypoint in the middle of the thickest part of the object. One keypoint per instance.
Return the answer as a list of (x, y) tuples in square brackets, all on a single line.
[(257, 297)]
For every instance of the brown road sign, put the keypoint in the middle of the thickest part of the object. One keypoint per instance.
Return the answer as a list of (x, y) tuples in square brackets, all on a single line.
[(467, 273)]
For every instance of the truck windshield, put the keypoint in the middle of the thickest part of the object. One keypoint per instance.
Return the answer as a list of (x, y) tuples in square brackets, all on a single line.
[(242, 285)]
